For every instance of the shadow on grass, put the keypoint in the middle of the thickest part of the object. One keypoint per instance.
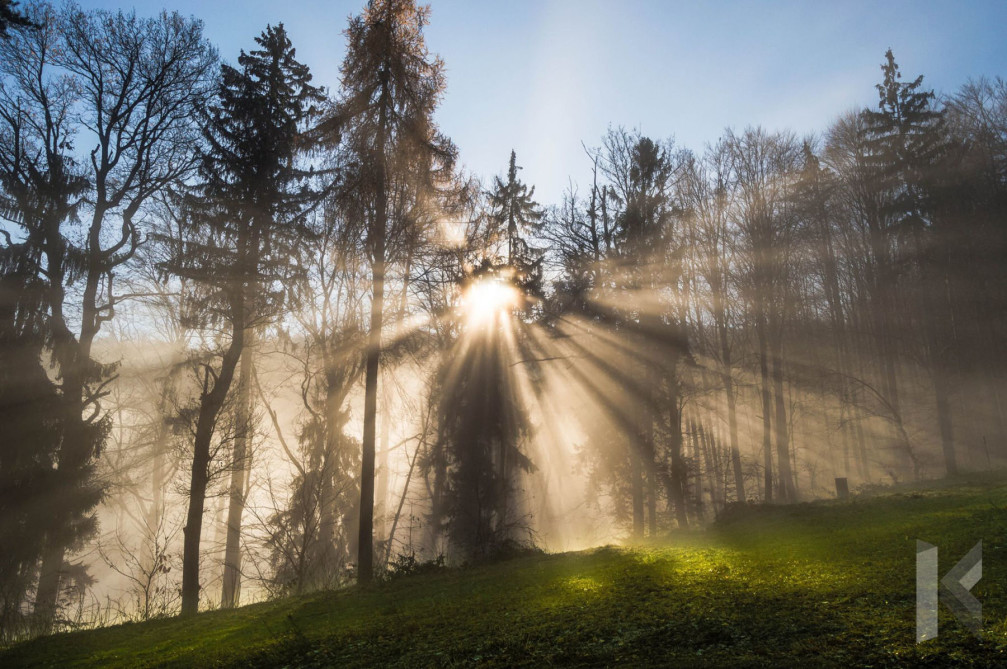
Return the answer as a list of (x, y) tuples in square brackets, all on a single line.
[(816, 585)]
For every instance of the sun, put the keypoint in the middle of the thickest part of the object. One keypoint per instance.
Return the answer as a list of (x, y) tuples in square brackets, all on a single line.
[(486, 298)]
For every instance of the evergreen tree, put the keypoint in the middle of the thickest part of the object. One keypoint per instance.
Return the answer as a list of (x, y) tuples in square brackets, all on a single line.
[(30, 487), (245, 219), (516, 214), (479, 454), (479, 448), (10, 16), (391, 85), (905, 136), (128, 107)]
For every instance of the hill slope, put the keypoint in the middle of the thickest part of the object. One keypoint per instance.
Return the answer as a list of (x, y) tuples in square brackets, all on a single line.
[(823, 582)]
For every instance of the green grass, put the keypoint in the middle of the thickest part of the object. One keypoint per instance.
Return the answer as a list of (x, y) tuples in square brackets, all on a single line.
[(824, 583)]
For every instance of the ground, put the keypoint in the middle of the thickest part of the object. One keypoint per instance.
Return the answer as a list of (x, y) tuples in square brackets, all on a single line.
[(818, 584)]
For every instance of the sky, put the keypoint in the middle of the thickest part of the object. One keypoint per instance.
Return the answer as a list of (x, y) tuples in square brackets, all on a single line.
[(542, 76)]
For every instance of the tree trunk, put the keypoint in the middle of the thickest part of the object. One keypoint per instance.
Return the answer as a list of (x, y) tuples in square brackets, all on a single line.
[(378, 231), (381, 494), (636, 474), (211, 403), (786, 476), (732, 421), (767, 445), (240, 466), (326, 495), (944, 416), (697, 459), (651, 488), (712, 464), (365, 546), (676, 489)]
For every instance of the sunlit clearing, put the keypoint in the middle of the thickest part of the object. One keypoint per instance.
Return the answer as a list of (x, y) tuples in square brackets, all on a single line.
[(485, 299)]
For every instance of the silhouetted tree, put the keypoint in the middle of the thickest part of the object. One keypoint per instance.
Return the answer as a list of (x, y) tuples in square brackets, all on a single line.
[(906, 138), (709, 193), (246, 218), (516, 214), (11, 16), (129, 86), (391, 86), (481, 431), (764, 165)]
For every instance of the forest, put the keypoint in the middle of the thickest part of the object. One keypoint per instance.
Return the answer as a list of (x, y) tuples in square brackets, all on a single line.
[(260, 339)]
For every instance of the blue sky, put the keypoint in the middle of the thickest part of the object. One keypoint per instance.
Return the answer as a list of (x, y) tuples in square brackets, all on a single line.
[(540, 76)]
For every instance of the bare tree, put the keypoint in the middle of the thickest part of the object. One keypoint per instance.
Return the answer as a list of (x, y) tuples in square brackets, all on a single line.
[(123, 90)]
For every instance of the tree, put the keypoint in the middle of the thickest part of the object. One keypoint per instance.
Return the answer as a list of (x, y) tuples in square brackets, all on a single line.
[(313, 537), (479, 452), (642, 173), (623, 263), (481, 432), (515, 209), (391, 86), (764, 165), (10, 16), (125, 89), (905, 135), (974, 203), (30, 414), (905, 140), (246, 218), (709, 198), (579, 233)]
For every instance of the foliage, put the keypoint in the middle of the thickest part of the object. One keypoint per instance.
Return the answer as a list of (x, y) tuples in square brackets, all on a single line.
[(121, 91), (244, 220), (406, 564)]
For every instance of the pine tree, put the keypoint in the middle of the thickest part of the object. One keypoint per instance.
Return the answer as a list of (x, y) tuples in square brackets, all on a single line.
[(244, 221)]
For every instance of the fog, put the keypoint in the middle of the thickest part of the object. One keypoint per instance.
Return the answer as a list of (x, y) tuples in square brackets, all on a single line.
[(259, 339)]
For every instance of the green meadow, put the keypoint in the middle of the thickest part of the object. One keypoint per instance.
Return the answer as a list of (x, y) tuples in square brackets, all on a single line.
[(825, 583)]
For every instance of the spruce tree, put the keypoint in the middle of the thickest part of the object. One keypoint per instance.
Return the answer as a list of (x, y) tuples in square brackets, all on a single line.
[(905, 136), (245, 219), (31, 489), (127, 108), (516, 215)]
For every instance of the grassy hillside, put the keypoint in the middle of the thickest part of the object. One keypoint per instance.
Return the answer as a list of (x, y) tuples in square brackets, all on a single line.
[(769, 587)]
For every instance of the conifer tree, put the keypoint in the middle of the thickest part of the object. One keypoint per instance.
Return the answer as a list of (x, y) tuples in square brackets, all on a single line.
[(391, 86), (244, 221), (119, 90), (904, 137), (516, 214)]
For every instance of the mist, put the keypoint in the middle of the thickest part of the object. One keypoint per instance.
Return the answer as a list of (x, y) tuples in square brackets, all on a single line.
[(259, 339)]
